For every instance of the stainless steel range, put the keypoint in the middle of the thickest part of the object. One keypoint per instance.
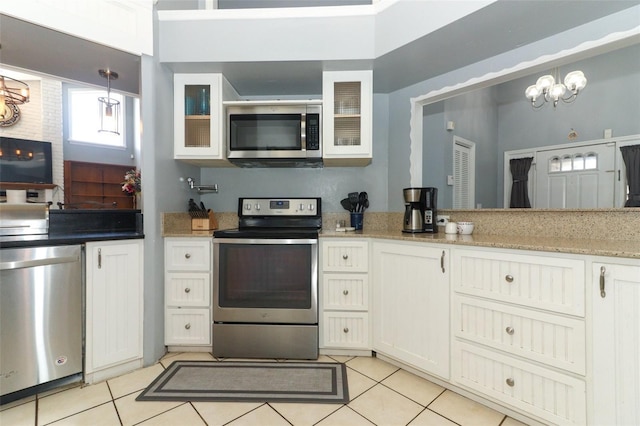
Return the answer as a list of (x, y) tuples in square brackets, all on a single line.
[(265, 286)]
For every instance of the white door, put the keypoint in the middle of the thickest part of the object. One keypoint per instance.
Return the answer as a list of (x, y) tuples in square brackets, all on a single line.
[(577, 177), (464, 173)]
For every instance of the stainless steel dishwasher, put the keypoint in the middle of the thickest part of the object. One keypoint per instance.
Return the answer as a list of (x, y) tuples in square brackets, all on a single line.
[(41, 317)]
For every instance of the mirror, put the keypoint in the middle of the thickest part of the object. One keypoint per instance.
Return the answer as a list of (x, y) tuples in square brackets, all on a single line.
[(498, 118)]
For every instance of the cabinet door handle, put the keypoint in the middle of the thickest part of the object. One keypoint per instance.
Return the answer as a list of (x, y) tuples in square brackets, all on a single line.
[(187, 256), (509, 278), (346, 329), (187, 326), (509, 331), (603, 294), (442, 262), (99, 258), (345, 256), (510, 382), (187, 290), (345, 292)]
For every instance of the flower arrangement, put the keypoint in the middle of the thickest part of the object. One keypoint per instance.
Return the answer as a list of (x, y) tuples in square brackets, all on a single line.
[(131, 184)]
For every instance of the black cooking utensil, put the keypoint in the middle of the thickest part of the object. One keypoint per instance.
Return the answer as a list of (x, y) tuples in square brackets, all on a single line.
[(353, 199), (346, 204)]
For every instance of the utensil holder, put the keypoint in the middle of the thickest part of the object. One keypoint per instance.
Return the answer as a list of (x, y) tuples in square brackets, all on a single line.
[(357, 220), (204, 224)]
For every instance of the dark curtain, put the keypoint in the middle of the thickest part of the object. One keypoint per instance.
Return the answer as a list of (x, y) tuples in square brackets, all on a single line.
[(520, 174), (631, 157)]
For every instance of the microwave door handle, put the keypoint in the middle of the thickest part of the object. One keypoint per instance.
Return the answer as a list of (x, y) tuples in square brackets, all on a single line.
[(303, 131)]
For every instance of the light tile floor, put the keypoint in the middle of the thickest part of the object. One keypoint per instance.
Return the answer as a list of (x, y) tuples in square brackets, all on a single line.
[(381, 394)]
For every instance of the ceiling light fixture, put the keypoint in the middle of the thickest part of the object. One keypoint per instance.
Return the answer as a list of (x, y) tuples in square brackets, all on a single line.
[(548, 90), (109, 107), (12, 92)]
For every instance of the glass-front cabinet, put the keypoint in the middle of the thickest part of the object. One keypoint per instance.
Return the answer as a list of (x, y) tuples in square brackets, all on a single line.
[(198, 115), (347, 117)]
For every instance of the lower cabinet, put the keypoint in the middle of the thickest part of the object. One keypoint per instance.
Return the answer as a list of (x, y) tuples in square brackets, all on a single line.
[(411, 304), (615, 393), (114, 308), (187, 283)]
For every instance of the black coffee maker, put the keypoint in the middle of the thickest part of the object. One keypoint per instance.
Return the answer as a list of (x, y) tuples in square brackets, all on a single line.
[(420, 210)]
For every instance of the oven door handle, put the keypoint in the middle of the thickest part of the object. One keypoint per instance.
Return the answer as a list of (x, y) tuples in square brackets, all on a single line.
[(273, 241)]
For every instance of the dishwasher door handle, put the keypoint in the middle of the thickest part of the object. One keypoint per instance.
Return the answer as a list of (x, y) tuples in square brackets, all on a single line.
[(37, 262)]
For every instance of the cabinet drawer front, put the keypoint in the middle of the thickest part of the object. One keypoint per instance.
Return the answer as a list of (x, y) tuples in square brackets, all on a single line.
[(346, 330), (187, 327), (551, 339), (552, 396), (345, 291), (187, 289), (343, 256), (188, 255), (554, 284)]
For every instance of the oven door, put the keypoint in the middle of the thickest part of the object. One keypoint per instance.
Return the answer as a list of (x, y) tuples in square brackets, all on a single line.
[(271, 281)]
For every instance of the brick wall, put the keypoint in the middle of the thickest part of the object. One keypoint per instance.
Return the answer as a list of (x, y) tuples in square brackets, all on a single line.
[(41, 120)]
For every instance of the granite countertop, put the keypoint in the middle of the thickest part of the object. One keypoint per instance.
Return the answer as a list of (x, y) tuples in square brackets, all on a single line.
[(595, 247)]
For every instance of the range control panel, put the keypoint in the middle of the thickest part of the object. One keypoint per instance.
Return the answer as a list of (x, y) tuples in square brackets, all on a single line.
[(279, 206)]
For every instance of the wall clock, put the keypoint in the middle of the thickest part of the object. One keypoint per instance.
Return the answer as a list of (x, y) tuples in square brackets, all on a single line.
[(10, 116)]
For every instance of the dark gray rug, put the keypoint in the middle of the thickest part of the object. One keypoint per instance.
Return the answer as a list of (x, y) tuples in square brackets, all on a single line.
[(242, 381)]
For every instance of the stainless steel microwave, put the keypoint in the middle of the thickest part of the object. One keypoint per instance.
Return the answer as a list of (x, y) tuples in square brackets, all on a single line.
[(274, 134)]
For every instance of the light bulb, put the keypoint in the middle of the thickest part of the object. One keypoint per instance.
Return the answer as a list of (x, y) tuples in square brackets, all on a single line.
[(575, 81), (545, 82), (557, 91), (532, 92)]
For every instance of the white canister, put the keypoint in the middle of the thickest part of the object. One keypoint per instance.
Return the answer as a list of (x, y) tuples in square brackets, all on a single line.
[(16, 196), (451, 228)]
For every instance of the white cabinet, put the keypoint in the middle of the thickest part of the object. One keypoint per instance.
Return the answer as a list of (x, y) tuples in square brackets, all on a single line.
[(615, 386), (199, 118), (519, 331), (114, 299), (411, 304), (344, 294), (347, 117), (188, 279)]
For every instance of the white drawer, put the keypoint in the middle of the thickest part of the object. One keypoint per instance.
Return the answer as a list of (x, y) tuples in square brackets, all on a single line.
[(345, 291), (552, 283), (187, 327), (345, 256), (187, 289), (345, 330), (554, 397), (189, 254), (551, 339)]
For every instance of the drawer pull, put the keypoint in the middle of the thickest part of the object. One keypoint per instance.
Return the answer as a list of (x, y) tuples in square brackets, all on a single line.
[(509, 278), (345, 256), (442, 262), (346, 329), (187, 256), (509, 331), (510, 382), (345, 292), (187, 326), (187, 290), (603, 294)]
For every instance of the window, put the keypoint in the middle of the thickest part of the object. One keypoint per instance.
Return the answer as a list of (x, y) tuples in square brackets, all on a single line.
[(84, 118), (572, 163)]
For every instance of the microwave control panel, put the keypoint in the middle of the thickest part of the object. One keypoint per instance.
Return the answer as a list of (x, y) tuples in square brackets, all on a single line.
[(313, 132)]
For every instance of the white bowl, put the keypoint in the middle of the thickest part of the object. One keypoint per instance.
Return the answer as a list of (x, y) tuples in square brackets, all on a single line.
[(465, 228)]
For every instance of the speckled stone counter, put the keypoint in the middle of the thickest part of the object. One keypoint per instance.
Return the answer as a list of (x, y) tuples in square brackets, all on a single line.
[(600, 232)]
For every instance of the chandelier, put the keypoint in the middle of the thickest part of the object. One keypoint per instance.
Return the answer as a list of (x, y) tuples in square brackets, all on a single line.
[(547, 90), (12, 92), (109, 107)]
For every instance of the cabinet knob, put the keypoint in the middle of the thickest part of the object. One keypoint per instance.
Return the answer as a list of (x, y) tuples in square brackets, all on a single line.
[(509, 331), (510, 382), (187, 326), (345, 292), (187, 290), (187, 256), (509, 278), (345, 256), (346, 329)]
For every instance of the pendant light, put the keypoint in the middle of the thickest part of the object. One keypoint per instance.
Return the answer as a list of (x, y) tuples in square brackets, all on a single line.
[(547, 89), (109, 107), (12, 92)]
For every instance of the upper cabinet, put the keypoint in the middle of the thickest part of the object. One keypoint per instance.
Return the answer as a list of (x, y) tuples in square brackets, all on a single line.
[(347, 117), (198, 118)]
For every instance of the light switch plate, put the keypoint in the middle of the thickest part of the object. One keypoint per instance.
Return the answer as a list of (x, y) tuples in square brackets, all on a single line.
[(450, 180)]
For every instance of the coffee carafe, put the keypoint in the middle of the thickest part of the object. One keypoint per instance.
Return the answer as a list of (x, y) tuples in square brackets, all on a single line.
[(420, 210), (414, 212)]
